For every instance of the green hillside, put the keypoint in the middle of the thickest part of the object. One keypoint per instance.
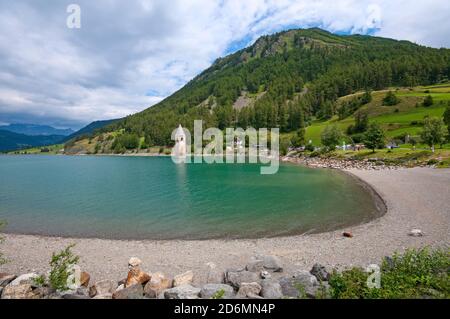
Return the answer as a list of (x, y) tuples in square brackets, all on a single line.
[(404, 118), (288, 80)]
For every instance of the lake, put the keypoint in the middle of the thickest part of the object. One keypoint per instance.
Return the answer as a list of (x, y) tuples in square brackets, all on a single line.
[(153, 198)]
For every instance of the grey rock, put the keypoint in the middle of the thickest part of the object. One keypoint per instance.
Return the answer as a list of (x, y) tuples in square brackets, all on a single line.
[(215, 276), (83, 291), (236, 278), (157, 284), (24, 279), (102, 287), (182, 292), (44, 292), (249, 290), (21, 291), (183, 279), (210, 290), (5, 279), (271, 289), (320, 272), (415, 233), (255, 265), (272, 263), (132, 292), (300, 285)]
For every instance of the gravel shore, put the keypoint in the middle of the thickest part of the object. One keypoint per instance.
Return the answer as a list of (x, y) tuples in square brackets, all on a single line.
[(415, 198)]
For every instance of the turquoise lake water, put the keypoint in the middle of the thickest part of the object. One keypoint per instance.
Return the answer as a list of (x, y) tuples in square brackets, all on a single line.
[(153, 198)]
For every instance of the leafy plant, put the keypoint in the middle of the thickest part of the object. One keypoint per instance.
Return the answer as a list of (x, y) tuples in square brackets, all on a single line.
[(40, 281), (60, 265), (418, 273), (219, 294)]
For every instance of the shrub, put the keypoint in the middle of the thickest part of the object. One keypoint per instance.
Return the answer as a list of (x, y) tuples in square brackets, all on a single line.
[(391, 99), (358, 138), (310, 148), (418, 273), (428, 101), (60, 265)]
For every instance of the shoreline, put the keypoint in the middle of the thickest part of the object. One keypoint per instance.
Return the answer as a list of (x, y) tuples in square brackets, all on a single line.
[(422, 206)]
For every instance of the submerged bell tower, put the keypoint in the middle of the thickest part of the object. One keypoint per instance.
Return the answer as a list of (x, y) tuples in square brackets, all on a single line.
[(180, 143)]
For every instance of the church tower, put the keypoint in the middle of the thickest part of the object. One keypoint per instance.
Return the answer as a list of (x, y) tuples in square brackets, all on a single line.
[(180, 143)]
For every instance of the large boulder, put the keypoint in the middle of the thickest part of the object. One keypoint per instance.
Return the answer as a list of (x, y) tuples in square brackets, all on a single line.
[(135, 274), (182, 292), (255, 265), (102, 287), (24, 279), (300, 285), (133, 292), (5, 279), (214, 276), (157, 284), (210, 290), (271, 289), (249, 290), (271, 263), (320, 272), (183, 279), (236, 277), (19, 291)]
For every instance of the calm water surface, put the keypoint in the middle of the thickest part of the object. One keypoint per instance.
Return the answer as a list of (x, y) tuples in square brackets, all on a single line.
[(153, 198)]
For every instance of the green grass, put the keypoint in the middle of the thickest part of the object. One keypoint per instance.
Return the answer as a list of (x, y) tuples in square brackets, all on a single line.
[(403, 118), (415, 274)]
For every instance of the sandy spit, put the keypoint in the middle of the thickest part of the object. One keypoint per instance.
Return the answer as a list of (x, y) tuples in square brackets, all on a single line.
[(415, 198)]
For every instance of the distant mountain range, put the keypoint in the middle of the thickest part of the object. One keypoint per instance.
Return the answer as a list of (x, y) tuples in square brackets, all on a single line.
[(35, 129), (10, 141), (21, 136)]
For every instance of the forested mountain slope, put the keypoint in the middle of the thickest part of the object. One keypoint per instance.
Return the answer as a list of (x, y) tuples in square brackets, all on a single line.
[(285, 80)]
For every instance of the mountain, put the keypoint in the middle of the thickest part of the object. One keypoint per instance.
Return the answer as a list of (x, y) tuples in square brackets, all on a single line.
[(89, 129), (35, 129), (10, 141), (284, 80)]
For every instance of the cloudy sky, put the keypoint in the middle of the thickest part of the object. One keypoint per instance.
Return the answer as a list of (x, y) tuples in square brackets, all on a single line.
[(128, 55)]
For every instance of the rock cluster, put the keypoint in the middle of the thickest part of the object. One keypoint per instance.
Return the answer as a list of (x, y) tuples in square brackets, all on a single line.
[(262, 277), (334, 163)]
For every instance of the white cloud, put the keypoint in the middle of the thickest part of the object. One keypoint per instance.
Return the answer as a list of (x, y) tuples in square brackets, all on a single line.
[(126, 51)]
